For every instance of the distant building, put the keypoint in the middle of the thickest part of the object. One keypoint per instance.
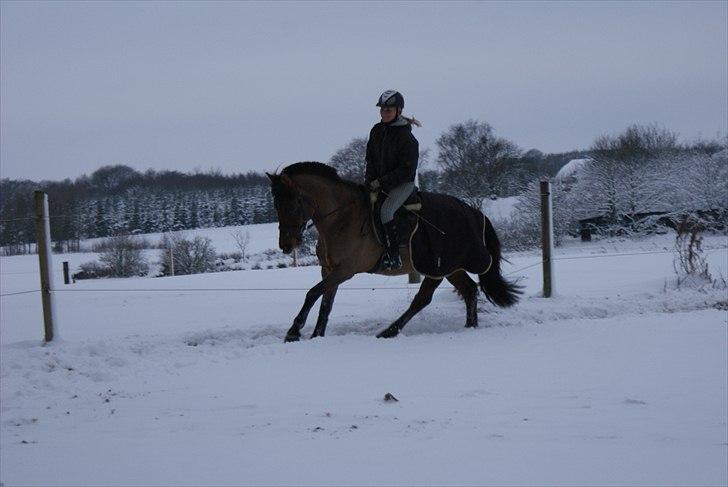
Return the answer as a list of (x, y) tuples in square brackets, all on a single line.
[(570, 171)]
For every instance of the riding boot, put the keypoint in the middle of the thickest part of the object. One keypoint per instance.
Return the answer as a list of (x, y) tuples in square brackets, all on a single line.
[(392, 260)]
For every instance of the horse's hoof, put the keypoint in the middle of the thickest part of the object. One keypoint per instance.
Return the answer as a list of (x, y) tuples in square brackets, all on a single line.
[(388, 333), (471, 326), (291, 338)]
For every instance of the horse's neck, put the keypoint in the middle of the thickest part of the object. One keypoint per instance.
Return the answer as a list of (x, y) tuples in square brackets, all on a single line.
[(328, 196)]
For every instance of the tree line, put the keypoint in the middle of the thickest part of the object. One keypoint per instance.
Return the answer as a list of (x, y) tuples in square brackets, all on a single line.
[(641, 169), (119, 200)]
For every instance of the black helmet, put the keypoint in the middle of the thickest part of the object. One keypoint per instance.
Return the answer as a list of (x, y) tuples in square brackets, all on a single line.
[(391, 98)]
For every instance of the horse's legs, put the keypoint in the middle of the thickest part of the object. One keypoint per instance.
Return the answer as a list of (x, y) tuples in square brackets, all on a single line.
[(327, 302), (468, 289), (422, 299), (329, 283)]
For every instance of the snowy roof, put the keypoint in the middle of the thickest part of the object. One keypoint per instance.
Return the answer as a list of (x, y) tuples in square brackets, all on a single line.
[(571, 168)]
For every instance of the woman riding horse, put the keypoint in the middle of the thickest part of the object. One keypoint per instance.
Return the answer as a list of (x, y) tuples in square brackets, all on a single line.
[(392, 153)]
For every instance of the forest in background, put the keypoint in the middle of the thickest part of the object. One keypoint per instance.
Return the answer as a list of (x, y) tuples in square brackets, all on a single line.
[(642, 169)]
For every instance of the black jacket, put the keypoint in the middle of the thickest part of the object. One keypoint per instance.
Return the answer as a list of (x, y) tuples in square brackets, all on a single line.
[(392, 154)]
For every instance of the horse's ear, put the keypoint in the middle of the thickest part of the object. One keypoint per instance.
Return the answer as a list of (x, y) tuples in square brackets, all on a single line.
[(270, 176), (288, 181)]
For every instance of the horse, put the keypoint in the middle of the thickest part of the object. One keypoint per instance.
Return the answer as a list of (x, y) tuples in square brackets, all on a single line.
[(348, 245)]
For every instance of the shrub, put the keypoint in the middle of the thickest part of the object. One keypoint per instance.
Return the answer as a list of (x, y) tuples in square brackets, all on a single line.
[(91, 270), (123, 257), (194, 256), (135, 242)]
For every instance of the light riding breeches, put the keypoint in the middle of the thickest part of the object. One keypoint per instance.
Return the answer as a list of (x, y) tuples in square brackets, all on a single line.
[(395, 199)]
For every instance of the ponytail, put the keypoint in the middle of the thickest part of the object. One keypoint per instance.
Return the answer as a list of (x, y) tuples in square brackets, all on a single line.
[(413, 121)]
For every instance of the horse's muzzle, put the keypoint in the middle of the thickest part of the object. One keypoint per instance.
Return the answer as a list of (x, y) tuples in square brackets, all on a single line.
[(289, 244)]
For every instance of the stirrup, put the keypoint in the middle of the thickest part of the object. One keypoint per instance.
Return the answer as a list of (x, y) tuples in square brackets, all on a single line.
[(384, 264), (391, 263)]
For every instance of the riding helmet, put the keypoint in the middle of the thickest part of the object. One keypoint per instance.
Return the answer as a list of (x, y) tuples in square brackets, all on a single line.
[(391, 98)]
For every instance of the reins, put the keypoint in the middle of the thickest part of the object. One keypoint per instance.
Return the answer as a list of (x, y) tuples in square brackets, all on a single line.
[(314, 218)]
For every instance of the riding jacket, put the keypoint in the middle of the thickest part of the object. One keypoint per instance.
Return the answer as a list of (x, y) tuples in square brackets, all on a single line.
[(392, 154)]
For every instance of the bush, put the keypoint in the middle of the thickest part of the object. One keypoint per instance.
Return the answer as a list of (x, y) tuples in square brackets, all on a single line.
[(91, 270), (123, 256), (523, 230), (138, 243), (194, 256)]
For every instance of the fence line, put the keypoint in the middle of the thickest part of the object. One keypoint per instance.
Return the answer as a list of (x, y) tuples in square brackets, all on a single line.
[(21, 292), (366, 288)]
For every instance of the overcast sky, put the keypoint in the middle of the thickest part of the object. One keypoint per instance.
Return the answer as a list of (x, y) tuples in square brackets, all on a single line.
[(248, 86)]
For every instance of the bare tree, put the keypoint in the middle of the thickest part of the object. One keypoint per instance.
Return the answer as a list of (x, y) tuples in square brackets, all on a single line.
[(628, 173), (350, 160), (469, 155), (702, 182), (242, 240)]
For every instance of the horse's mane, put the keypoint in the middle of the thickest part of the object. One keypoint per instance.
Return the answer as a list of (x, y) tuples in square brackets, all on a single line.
[(319, 169)]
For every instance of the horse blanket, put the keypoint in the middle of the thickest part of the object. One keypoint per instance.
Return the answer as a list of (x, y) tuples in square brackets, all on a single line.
[(444, 236)]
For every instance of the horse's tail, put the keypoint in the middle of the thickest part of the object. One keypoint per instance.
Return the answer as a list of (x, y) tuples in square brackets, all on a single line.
[(498, 290)]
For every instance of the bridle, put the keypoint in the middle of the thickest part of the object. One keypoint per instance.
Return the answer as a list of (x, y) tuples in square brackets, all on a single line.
[(288, 230)]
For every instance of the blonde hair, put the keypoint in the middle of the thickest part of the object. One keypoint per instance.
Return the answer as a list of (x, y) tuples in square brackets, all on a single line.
[(413, 121)]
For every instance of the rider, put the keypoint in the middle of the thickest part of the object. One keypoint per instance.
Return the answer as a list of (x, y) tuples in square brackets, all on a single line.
[(392, 154)]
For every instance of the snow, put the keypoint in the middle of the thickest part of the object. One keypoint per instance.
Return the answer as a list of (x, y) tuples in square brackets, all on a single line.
[(621, 378), (263, 236), (500, 208), (570, 169)]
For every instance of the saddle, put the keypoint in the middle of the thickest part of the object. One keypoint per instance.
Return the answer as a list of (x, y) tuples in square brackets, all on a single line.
[(404, 217)]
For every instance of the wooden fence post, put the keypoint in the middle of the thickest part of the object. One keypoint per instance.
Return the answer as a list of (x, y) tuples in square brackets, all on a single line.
[(43, 244), (171, 259), (547, 237), (66, 273)]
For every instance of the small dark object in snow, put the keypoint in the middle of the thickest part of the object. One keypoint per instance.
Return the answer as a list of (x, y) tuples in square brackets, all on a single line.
[(353, 427), (389, 397), (633, 401), (317, 428)]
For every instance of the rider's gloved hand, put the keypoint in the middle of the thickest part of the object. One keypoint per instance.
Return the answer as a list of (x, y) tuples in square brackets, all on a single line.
[(373, 185)]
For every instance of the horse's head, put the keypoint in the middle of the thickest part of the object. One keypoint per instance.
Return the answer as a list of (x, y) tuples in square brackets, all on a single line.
[(292, 210)]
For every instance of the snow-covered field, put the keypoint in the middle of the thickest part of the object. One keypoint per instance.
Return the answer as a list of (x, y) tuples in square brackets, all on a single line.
[(618, 379)]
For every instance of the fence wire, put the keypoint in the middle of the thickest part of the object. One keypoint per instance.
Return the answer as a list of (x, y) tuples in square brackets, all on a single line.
[(358, 288), (21, 292)]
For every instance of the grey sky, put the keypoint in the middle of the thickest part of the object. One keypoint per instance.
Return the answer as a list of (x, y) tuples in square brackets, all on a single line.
[(248, 86)]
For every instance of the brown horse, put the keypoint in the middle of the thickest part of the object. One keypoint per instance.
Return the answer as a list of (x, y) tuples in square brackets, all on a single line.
[(347, 245)]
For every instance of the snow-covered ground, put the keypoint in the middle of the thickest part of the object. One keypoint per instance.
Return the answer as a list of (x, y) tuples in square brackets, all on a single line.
[(618, 379), (263, 236)]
